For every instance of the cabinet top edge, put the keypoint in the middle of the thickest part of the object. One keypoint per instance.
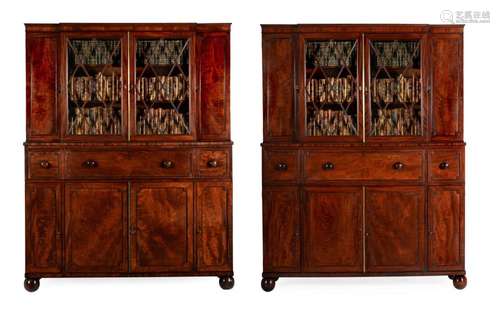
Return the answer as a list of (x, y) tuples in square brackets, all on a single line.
[(58, 27), (304, 28)]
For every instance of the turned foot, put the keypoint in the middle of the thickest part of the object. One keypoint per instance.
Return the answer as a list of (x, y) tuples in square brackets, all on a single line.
[(226, 282), (31, 284), (459, 281), (268, 284)]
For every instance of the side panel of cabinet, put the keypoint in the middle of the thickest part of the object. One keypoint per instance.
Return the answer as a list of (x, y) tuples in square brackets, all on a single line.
[(446, 228), (213, 214), (213, 59), (96, 227), (43, 227), (281, 216), (447, 86), (279, 86), (41, 86), (394, 227), (161, 227), (333, 227)]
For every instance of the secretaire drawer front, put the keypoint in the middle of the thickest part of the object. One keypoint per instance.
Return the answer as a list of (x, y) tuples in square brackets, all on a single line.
[(280, 165), (446, 165), (43, 165), (333, 166), (83, 164), (160, 163), (394, 165), (213, 163)]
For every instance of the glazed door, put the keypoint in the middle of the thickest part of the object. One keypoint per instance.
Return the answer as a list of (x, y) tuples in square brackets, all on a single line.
[(395, 87), (161, 227), (281, 217), (213, 226), (94, 84), (329, 77), (394, 229), (43, 227), (96, 227), (333, 229), (446, 228), (163, 97)]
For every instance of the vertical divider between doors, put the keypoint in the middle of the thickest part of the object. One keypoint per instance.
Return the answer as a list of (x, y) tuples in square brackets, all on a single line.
[(129, 242), (364, 229), (363, 90), (129, 88)]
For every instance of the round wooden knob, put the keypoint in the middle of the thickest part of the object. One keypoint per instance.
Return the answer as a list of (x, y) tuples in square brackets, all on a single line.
[(90, 163), (444, 165), (398, 165), (212, 163), (45, 164), (282, 166), (328, 166), (167, 164)]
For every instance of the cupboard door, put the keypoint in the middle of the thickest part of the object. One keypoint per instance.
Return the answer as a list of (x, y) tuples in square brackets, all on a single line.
[(96, 227), (213, 62), (213, 214), (281, 229), (41, 86), (43, 228), (394, 229), (161, 227), (333, 227), (446, 228), (279, 86), (447, 86)]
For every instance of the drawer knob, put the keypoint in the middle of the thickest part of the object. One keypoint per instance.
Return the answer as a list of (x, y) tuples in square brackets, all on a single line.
[(212, 163), (281, 166), (167, 164), (398, 165), (328, 166), (44, 164), (444, 165), (90, 163)]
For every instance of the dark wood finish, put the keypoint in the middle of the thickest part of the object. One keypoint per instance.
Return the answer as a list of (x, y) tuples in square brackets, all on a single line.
[(128, 205), (363, 205), (459, 281)]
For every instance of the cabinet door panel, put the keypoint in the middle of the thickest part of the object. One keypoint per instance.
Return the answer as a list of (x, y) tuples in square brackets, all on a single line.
[(394, 218), (446, 228), (447, 91), (213, 213), (43, 232), (281, 229), (96, 233), (41, 86), (214, 85), (162, 227), (279, 86), (333, 226)]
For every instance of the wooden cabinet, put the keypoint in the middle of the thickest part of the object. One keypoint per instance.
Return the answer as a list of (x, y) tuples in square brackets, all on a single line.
[(363, 152), (128, 151)]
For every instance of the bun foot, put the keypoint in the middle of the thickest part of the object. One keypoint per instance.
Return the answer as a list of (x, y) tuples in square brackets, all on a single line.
[(268, 284), (226, 282), (459, 281), (31, 284)]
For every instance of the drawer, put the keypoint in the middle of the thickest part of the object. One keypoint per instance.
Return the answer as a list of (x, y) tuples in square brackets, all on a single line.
[(445, 165), (280, 165), (320, 165), (128, 164), (213, 163), (43, 165)]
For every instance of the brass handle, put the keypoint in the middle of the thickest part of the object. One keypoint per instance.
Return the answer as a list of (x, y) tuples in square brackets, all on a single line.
[(212, 163), (44, 164), (90, 163), (167, 164), (281, 167), (328, 166), (398, 165), (444, 165)]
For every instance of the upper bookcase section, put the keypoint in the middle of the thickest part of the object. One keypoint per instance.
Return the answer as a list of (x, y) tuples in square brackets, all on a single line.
[(362, 83), (128, 82)]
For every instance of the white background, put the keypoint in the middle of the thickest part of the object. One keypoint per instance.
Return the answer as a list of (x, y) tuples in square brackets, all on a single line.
[(482, 111)]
